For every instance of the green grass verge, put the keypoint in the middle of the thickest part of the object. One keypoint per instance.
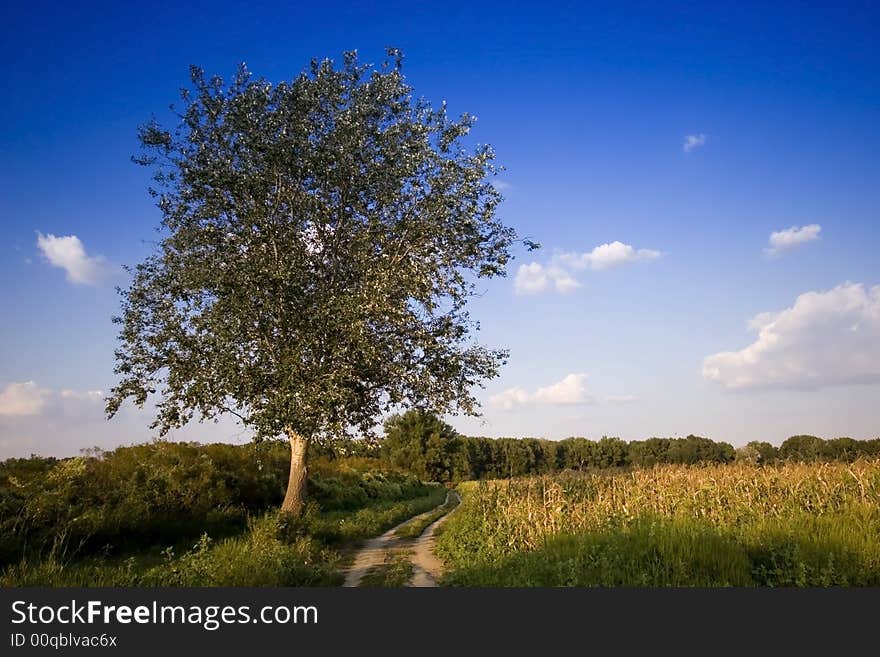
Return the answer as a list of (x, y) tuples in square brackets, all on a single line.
[(415, 527), (396, 572), (340, 527)]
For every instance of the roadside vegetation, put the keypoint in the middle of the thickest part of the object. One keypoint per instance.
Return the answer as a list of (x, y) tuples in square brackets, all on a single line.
[(174, 514), (415, 527)]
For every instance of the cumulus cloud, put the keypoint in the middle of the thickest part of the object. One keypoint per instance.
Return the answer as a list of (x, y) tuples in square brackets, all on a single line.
[(824, 339), (69, 420), (562, 280), (570, 390), (559, 272), (20, 399), (68, 253), (608, 255), (530, 279), (692, 142), (28, 399), (782, 240), (535, 277), (510, 399)]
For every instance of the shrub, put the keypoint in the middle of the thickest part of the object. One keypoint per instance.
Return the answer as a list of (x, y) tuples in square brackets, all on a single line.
[(164, 492)]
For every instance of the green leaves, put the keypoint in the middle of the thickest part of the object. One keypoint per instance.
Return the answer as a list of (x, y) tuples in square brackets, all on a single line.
[(321, 238)]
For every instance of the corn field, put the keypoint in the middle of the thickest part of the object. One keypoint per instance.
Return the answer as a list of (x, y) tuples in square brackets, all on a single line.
[(824, 508)]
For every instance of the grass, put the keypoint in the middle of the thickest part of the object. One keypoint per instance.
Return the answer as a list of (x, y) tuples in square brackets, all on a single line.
[(336, 528), (183, 514), (396, 572), (113, 503), (272, 551), (729, 525), (415, 527)]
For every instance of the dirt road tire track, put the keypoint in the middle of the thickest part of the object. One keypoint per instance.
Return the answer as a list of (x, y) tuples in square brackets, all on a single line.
[(427, 568)]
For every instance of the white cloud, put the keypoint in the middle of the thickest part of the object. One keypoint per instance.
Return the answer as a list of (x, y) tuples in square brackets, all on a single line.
[(510, 399), (18, 399), (781, 240), (824, 339), (530, 279), (501, 185), (692, 142), (68, 253), (28, 398), (535, 277), (562, 280), (608, 255), (88, 395), (761, 320), (571, 390), (69, 420)]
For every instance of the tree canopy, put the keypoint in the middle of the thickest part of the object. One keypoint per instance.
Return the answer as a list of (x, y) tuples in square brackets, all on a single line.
[(321, 239)]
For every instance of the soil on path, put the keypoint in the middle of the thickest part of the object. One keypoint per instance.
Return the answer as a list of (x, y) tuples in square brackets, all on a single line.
[(427, 568)]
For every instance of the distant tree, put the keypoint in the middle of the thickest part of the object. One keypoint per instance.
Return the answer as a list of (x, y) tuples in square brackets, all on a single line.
[(802, 448), (870, 448), (463, 466), (422, 443), (688, 451), (696, 449), (841, 449), (757, 453), (473, 458), (551, 456), (645, 453), (321, 238), (611, 452)]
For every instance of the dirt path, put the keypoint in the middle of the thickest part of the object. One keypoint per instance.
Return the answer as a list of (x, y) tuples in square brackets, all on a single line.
[(426, 567)]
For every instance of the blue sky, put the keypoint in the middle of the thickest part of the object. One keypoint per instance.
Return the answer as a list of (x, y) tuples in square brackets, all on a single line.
[(590, 108)]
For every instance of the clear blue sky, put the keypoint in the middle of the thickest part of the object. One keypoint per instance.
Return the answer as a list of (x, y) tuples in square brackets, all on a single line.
[(682, 135)]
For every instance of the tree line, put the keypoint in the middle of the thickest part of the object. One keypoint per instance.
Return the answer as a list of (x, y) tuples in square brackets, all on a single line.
[(430, 448)]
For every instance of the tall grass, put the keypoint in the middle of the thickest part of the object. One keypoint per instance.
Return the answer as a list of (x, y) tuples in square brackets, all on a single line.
[(795, 524), (272, 551), (164, 492), (183, 514)]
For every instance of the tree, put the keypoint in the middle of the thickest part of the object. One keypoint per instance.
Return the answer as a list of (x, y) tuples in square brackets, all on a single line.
[(420, 442), (841, 449), (758, 453), (320, 239), (646, 453), (801, 448)]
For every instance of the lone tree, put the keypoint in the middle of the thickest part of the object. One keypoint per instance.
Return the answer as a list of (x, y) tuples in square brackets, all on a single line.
[(320, 239)]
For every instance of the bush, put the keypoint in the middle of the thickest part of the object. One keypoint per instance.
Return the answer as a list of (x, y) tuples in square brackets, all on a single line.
[(164, 492), (260, 557)]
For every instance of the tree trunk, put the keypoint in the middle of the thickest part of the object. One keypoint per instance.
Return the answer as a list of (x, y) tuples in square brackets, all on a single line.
[(296, 483)]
